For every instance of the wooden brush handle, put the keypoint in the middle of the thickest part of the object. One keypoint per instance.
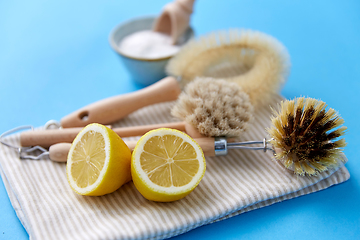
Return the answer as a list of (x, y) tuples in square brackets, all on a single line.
[(46, 138), (111, 109), (207, 145), (59, 152)]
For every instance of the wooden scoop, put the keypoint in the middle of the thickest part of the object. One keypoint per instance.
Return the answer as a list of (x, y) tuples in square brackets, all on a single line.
[(174, 19)]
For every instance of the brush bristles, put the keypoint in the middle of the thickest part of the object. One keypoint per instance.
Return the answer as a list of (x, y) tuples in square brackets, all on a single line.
[(214, 107), (255, 61), (306, 136)]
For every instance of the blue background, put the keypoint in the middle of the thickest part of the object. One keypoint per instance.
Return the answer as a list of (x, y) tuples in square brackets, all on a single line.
[(55, 58)]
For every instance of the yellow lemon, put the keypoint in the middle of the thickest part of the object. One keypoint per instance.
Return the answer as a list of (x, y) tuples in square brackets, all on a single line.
[(166, 165), (98, 161)]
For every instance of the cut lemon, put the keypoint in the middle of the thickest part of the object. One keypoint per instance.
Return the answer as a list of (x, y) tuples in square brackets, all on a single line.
[(166, 165), (98, 161)]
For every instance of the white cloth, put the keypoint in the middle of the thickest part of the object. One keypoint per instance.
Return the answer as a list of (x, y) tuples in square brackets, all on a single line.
[(239, 182)]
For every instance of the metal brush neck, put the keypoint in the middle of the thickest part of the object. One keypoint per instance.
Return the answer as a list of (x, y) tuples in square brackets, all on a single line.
[(222, 146)]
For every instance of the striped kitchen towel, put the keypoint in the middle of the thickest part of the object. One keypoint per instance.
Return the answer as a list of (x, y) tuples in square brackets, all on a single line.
[(239, 182)]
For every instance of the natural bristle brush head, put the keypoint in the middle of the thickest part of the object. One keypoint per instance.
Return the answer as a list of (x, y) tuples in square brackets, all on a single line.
[(306, 136), (214, 107), (257, 62)]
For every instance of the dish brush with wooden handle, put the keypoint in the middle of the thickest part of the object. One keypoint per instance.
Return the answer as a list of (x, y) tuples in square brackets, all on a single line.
[(305, 137), (257, 62), (214, 108)]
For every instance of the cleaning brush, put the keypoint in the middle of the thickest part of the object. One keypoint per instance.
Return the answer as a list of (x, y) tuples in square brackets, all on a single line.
[(207, 106), (305, 136), (214, 107), (255, 61)]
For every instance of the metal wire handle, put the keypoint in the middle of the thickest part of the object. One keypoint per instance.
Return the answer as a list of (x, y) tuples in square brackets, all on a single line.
[(242, 145), (28, 152), (222, 146)]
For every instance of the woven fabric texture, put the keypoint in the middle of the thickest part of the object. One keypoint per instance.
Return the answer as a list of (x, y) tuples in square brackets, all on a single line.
[(239, 182)]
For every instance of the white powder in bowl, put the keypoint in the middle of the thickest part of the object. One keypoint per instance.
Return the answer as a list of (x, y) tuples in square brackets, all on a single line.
[(148, 44)]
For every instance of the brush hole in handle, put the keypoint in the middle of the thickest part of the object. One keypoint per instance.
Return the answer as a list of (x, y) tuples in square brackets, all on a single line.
[(114, 108)]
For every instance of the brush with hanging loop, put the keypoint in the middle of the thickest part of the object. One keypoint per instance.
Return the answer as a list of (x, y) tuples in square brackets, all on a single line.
[(255, 61), (305, 137)]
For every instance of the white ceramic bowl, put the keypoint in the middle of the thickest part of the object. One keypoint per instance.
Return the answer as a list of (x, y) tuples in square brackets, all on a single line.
[(143, 71)]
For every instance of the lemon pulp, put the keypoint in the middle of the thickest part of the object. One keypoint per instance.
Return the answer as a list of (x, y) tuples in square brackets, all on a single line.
[(167, 165), (98, 161), (88, 159), (169, 161)]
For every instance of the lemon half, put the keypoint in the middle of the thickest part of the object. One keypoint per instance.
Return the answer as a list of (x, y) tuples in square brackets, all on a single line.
[(98, 161), (167, 165)]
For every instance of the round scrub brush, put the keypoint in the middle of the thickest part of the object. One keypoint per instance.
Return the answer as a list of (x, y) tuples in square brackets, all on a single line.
[(305, 136), (214, 107), (255, 61)]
